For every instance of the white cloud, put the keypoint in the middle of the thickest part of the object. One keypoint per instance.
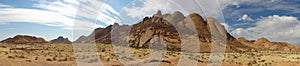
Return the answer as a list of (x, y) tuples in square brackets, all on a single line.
[(245, 17), (90, 9), (3, 5), (212, 7), (253, 6), (150, 7), (62, 13), (278, 23), (204, 7), (38, 16), (225, 3), (147, 8), (276, 28)]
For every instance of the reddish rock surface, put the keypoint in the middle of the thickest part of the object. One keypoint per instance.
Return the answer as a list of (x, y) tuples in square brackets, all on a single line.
[(24, 39), (265, 44), (162, 25)]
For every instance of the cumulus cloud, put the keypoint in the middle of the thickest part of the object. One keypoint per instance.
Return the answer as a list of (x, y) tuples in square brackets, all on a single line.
[(150, 7), (147, 8), (245, 17), (61, 13), (258, 6), (212, 8), (275, 28)]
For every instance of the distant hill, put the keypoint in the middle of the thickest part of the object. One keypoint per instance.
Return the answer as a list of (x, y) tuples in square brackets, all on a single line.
[(24, 39), (265, 44), (60, 39)]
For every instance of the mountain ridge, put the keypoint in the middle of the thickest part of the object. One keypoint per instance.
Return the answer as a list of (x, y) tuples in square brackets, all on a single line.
[(162, 25), (24, 39)]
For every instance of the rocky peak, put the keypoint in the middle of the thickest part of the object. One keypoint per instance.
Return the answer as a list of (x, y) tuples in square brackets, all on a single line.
[(116, 24), (215, 27), (196, 17), (158, 14), (198, 22), (261, 40), (144, 31), (175, 17), (81, 39), (177, 14), (60, 39), (100, 35)]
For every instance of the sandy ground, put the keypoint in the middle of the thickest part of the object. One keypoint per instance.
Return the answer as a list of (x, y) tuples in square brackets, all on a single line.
[(93, 55)]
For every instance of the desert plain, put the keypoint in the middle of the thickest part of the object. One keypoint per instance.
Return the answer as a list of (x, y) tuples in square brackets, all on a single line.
[(58, 54)]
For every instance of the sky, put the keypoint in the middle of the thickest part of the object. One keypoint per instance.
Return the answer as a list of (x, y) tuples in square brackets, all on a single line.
[(276, 20)]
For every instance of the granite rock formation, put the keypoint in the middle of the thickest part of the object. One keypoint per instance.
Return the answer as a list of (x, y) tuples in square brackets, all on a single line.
[(24, 39)]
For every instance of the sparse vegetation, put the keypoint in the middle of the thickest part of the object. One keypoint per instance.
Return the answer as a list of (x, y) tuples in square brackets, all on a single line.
[(64, 53)]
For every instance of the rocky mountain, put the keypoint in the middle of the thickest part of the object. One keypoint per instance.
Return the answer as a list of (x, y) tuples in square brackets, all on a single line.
[(81, 39), (60, 39), (265, 44), (100, 35), (161, 26), (24, 39)]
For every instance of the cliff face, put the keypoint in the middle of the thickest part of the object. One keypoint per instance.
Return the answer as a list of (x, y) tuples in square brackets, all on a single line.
[(24, 39), (162, 25)]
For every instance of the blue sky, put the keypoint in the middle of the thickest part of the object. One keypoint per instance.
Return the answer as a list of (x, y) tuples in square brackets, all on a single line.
[(277, 20)]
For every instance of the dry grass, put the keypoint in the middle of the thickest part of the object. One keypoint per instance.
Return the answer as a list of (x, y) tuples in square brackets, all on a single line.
[(63, 55)]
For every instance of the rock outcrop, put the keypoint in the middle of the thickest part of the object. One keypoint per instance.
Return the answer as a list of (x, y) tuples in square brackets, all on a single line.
[(172, 27), (175, 17), (162, 25), (101, 35), (24, 39), (60, 39)]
